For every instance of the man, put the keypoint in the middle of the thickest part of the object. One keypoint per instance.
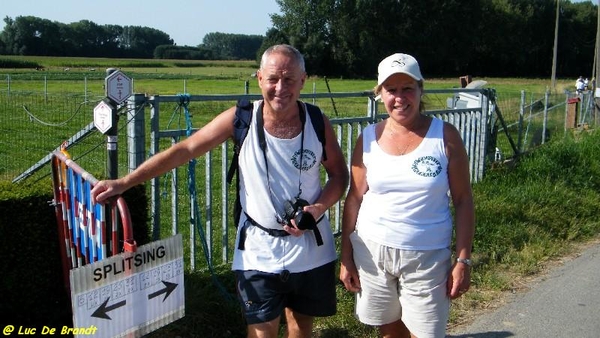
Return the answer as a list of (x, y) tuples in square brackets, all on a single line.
[(580, 85), (280, 269)]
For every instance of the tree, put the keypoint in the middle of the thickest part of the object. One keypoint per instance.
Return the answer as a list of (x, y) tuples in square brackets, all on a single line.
[(140, 42), (86, 38), (8, 35), (274, 37), (29, 35), (363, 32), (232, 46), (449, 38), (306, 24)]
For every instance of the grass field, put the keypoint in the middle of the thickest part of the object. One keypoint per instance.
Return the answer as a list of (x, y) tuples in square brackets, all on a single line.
[(522, 221)]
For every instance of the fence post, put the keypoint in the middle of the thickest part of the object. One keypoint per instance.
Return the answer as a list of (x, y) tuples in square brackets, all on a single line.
[(136, 130), (545, 122), (112, 169), (372, 109), (155, 182), (520, 129)]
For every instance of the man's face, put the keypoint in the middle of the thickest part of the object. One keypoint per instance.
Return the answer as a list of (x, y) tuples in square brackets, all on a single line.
[(281, 81)]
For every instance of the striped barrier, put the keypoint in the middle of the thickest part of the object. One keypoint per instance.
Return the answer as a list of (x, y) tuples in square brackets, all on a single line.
[(88, 231)]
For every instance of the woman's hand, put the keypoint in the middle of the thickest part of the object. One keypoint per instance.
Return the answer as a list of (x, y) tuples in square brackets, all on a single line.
[(349, 275), (459, 280)]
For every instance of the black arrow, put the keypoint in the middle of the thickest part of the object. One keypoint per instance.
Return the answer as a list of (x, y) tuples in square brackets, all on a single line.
[(169, 287), (103, 309)]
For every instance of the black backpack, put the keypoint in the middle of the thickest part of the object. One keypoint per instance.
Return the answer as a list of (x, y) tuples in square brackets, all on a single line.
[(241, 124)]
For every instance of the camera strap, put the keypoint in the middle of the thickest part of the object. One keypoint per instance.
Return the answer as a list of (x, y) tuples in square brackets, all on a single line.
[(260, 130), (274, 232)]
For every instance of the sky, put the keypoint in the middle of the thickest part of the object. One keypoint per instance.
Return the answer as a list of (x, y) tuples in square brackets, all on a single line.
[(185, 21)]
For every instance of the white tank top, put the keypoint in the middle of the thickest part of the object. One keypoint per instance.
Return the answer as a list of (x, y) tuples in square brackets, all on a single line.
[(262, 251), (407, 202)]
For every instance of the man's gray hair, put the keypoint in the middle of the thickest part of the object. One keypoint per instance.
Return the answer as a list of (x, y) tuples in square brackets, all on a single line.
[(285, 50)]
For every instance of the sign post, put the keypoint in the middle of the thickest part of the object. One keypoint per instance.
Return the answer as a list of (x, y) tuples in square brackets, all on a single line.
[(118, 89)]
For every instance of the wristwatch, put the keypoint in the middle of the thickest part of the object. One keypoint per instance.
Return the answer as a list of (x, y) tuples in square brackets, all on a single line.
[(464, 261)]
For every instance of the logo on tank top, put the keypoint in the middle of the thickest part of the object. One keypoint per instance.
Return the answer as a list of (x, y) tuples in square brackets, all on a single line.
[(309, 159), (427, 166)]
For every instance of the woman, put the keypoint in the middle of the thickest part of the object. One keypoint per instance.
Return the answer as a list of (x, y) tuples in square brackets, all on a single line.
[(397, 226)]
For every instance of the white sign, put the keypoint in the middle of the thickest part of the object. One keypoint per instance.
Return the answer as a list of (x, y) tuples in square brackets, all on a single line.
[(103, 119), (130, 294), (118, 87)]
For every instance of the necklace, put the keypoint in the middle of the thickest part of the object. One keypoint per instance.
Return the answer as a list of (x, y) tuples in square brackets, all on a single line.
[(403, 142)]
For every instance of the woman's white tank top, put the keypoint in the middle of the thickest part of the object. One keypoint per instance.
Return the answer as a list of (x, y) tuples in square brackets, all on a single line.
[(407, 202)]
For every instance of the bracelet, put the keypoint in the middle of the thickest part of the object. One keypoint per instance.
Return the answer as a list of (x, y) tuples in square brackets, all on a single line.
[(466, 261)]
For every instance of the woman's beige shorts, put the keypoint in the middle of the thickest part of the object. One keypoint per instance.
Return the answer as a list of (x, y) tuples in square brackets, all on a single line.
[(402, 284)]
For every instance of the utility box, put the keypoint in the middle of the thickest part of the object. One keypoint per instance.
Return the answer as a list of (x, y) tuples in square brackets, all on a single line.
[(572, 109)]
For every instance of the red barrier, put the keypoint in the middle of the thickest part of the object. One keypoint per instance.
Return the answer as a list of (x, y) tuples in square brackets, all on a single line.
[(85, 233)]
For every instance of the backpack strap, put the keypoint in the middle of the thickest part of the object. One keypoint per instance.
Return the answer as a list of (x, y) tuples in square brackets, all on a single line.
[(241, 124), (318, 122)]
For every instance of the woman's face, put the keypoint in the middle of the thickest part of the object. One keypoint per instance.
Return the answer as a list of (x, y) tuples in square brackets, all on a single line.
[(401, 95)]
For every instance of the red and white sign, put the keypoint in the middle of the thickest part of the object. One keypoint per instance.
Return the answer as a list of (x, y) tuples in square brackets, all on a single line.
[(118, 87), (103, 119)]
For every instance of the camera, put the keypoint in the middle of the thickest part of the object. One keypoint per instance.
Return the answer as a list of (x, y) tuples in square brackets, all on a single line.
[(293, 211)]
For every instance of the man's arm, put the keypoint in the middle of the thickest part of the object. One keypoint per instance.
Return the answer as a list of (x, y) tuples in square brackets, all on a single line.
[(214, 133)]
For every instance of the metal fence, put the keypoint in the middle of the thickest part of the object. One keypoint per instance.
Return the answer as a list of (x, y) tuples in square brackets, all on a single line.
[(530, 120)]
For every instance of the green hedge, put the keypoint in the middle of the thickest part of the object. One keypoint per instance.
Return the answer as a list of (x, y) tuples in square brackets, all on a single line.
[(32, 283)]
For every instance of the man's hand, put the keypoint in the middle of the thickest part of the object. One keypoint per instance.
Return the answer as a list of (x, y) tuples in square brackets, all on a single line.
[(103, 190)]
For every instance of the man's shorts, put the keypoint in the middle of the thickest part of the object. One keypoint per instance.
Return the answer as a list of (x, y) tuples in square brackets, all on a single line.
[(402, 284), (264, 296)]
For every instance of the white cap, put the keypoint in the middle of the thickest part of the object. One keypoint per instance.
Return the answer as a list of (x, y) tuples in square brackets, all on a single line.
[(396, 64)]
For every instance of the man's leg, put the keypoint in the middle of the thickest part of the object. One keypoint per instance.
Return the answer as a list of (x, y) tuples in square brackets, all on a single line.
[(264, 330), (298, 325), (262, 299)]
